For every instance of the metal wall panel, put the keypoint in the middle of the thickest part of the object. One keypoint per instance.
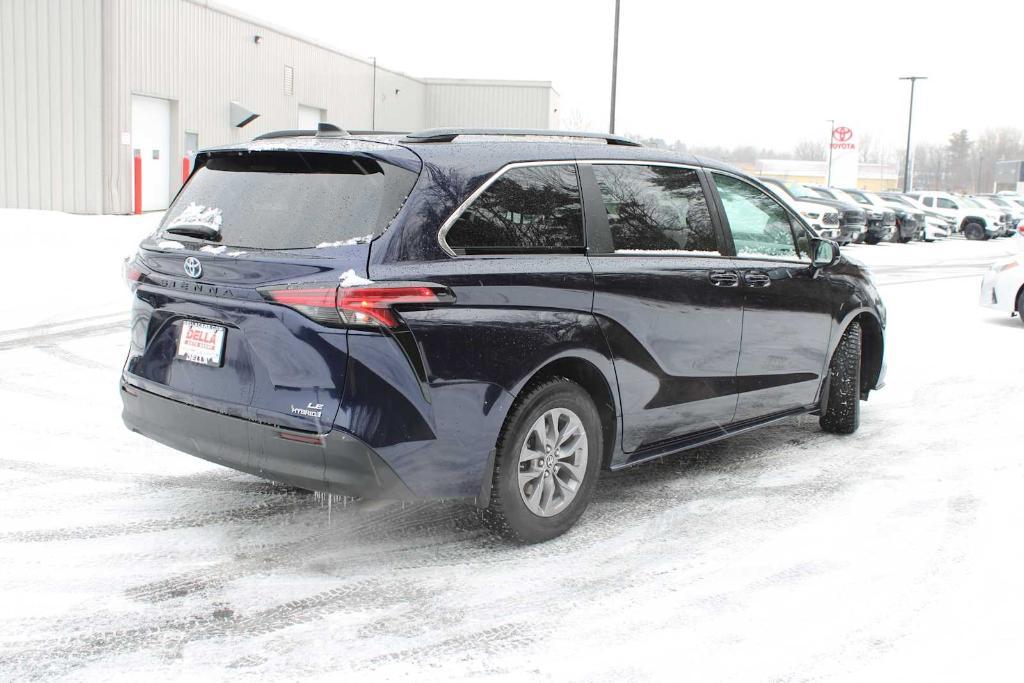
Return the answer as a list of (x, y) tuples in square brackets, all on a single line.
[(506, 104), (69, 68), (201, 58), (50, 117)]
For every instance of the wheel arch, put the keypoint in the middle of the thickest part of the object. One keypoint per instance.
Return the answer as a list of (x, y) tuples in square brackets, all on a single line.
[(586, 374), (872, 346)]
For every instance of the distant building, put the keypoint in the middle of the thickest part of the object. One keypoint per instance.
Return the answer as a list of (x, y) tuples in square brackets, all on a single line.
[(1009, 176), (872, 177), (89, 84)]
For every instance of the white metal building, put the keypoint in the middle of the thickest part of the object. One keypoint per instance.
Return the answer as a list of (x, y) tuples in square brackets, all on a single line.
[(87, 85)]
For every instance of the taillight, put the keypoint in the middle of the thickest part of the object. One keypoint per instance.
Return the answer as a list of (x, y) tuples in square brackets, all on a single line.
[(131, 273), (372, 305), (363, 305), (318, 303)]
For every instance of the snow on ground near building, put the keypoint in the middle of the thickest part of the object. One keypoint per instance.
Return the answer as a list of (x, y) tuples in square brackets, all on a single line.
[(780, 554)]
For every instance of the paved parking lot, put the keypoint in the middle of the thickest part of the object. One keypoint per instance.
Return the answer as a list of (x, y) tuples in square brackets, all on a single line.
[(785, 553)]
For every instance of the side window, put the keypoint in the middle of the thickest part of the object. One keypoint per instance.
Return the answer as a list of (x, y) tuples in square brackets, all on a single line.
[(759, 225), (527, 209), (927, 201), (656, 208), (944, 203)]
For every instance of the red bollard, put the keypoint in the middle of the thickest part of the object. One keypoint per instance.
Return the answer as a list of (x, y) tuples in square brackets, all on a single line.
[(184, 170), (138, 183)]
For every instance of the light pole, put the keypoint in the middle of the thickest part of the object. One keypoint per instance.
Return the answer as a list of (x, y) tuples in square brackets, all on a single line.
[(831, 131), (615, 68), (907, 164)]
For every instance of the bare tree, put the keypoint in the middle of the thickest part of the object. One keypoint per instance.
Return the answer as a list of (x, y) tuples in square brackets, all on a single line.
[(810, 150)]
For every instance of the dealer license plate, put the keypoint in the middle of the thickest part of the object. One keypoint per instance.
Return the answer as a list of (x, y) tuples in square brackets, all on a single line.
[(201, 343)]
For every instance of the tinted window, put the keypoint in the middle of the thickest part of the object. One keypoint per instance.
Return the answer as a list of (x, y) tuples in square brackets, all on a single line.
[(943, 203), (927, 201), (656, 208), (290, 200), (535, 208), (759, 225)]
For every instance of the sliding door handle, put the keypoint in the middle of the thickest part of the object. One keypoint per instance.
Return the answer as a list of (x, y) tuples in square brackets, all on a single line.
[(724, 278)]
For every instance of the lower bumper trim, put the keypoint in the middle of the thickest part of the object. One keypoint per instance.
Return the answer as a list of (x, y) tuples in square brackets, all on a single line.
[(335, 462)]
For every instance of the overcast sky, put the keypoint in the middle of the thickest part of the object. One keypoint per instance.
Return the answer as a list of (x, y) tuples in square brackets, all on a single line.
[(709, 72)]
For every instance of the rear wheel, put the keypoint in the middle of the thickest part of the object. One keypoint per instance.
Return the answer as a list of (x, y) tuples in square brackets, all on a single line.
[(547, 463), (842, 385), (1020, 305), (872, 239)]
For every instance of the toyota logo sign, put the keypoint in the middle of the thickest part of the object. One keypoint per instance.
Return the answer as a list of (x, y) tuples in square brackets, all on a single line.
[(193, 268), (842, 134)]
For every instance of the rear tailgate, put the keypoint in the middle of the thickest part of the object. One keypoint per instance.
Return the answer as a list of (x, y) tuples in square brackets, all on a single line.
[(203, 331)]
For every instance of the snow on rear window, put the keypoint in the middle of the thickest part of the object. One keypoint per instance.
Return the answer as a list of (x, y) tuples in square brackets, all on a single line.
[(291, 199)]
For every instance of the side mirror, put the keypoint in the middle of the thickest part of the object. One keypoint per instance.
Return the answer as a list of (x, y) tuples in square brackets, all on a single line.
[(826, 253)]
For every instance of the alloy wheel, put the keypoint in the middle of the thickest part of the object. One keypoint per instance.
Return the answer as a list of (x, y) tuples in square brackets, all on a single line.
[(553, 462)]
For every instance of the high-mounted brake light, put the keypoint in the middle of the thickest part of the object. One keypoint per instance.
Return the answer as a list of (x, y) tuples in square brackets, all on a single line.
[(363, 305)]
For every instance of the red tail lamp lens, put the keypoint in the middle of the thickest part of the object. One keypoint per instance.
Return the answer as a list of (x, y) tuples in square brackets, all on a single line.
[(372, 305)]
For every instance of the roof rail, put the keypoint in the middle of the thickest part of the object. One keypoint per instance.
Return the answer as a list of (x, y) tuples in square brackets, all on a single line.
[(323, 130), (449, 134)]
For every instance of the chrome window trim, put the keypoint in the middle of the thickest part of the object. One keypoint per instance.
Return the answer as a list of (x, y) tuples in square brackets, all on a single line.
[(450, 221), (785, 209)]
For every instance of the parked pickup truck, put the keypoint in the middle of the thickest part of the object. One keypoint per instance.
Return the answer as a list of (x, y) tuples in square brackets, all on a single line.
[(973, 220), (835, 219)]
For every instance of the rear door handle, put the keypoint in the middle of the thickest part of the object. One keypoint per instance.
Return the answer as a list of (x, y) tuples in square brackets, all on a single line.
[(724, 278), (756, 279)]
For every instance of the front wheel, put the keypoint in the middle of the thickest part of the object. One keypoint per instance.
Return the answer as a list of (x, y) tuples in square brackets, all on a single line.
[(841, 414), (546, 464), (974, 231), (1020, 305)]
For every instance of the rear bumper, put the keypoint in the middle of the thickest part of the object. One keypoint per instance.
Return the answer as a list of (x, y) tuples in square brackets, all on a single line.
[(335, 462)]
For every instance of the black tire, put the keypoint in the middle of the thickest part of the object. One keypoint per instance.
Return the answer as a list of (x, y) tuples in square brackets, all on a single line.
[(872, 239), (841, 413), (1020, 305), (507, 513), (974, 231)]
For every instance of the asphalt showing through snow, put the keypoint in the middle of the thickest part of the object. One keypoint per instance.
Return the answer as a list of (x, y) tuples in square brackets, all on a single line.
[(783, 553)]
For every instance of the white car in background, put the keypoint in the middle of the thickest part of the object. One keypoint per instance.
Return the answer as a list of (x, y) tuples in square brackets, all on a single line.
[(973, 220), (1010, 217), (1002, 288), (936, 227)]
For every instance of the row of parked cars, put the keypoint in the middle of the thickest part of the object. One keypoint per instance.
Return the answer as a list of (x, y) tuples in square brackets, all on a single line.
[(857, 216)]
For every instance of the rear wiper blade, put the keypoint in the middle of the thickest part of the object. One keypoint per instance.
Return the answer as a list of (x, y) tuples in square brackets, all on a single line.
[(200, 230)]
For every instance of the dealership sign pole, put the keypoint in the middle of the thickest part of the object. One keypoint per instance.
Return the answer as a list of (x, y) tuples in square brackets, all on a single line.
[(907, 163), (831, 132)]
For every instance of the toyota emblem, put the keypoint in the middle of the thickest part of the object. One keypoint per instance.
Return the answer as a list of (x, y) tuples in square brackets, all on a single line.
[(193, 268), (842, 134)]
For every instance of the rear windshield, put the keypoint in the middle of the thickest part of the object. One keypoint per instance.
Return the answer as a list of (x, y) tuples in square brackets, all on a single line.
[(288, 200)]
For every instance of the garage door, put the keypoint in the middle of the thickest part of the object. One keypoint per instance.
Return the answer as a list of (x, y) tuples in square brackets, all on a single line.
[(309, 117), (151, 140)]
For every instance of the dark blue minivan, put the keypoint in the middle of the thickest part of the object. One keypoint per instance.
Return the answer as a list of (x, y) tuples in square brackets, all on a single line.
[(489, 315)]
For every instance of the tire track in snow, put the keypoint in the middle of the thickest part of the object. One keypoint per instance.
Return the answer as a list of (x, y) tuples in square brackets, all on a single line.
[(408, 523), (48, 658), (245, 514)]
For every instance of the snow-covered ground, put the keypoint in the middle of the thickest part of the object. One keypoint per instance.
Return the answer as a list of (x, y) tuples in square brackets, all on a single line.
[(786, 553)]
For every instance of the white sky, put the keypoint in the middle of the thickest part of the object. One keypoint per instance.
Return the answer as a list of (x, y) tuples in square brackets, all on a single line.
[(771, 72)]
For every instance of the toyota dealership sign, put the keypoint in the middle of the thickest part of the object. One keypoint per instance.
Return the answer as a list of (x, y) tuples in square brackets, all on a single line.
[(844, 157)]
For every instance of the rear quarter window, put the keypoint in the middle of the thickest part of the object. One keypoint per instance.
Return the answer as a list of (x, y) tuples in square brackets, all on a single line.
[(526, 209), (290, 200)]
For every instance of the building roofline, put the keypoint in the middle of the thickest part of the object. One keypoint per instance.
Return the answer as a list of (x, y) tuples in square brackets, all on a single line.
[(214, 6), (487, 81)]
